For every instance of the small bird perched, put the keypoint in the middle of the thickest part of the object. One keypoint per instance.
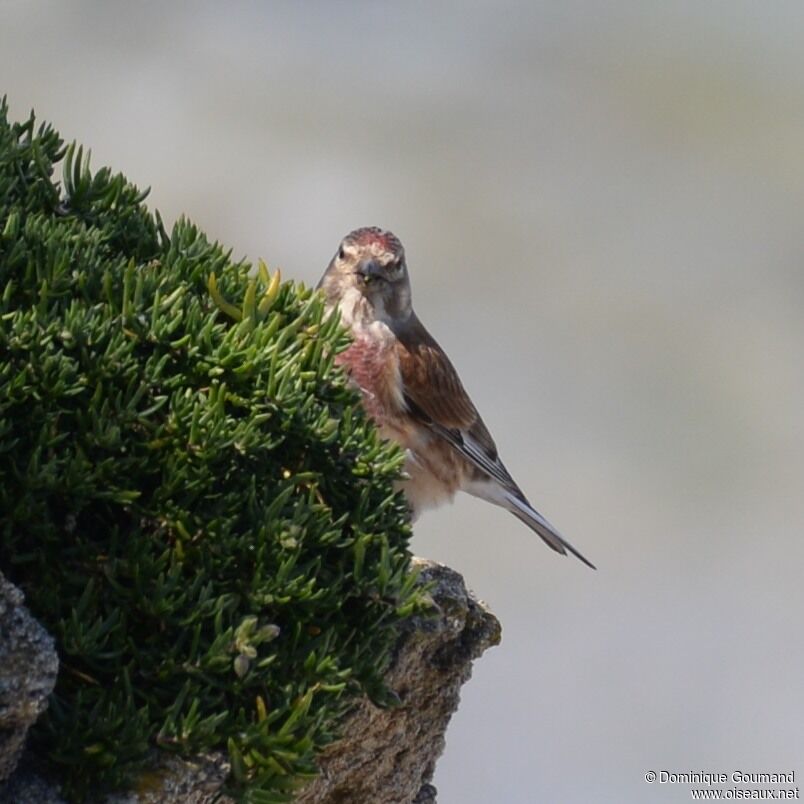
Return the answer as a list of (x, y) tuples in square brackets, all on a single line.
[(410, 388)]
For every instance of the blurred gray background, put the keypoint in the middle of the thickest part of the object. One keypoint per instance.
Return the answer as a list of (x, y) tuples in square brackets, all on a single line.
[(602, 209)]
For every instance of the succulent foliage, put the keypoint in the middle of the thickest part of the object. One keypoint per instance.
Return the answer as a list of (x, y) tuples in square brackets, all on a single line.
[(190, 496)]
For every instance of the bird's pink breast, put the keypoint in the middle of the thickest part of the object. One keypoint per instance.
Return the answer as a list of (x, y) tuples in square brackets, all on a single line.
[(373, 367), (435, 471)]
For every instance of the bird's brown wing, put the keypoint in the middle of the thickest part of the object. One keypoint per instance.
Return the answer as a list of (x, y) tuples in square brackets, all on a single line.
[(436, 397)]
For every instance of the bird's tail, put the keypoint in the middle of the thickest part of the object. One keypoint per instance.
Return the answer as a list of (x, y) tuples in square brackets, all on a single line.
[(523, 510), (512, 499)]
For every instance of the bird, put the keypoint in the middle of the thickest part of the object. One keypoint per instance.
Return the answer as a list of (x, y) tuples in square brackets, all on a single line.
[(410, 388)]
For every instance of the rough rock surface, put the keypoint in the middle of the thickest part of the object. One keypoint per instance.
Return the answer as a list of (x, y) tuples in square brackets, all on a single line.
[(386, 756), (26, 786), (28, 668)]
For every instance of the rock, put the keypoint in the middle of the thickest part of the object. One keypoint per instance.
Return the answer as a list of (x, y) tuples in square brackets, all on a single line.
[(28, 668), (386, 756), (180, 781), (171, 780), (26, 786)]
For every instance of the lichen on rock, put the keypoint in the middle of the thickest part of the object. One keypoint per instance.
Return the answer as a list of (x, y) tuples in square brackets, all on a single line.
[(28, 668)]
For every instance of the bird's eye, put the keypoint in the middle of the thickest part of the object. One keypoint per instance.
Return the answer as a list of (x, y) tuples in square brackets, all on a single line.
[(341, 253)]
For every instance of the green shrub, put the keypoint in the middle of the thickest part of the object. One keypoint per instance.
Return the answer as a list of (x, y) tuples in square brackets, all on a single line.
[(194, 505)]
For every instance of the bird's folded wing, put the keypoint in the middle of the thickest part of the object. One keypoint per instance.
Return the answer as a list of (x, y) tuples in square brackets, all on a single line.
[(436, 397)]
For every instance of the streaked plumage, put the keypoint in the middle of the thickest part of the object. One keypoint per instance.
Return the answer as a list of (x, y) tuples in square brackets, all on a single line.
[(411, 389)]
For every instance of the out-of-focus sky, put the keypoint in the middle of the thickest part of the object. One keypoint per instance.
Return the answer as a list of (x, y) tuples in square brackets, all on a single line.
[(602, 209)]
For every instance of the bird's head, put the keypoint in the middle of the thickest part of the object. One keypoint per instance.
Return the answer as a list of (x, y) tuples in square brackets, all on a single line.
[(369, 271)]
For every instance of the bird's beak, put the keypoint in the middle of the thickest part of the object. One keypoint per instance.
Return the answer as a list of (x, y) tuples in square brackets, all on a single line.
[(369, 269)]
